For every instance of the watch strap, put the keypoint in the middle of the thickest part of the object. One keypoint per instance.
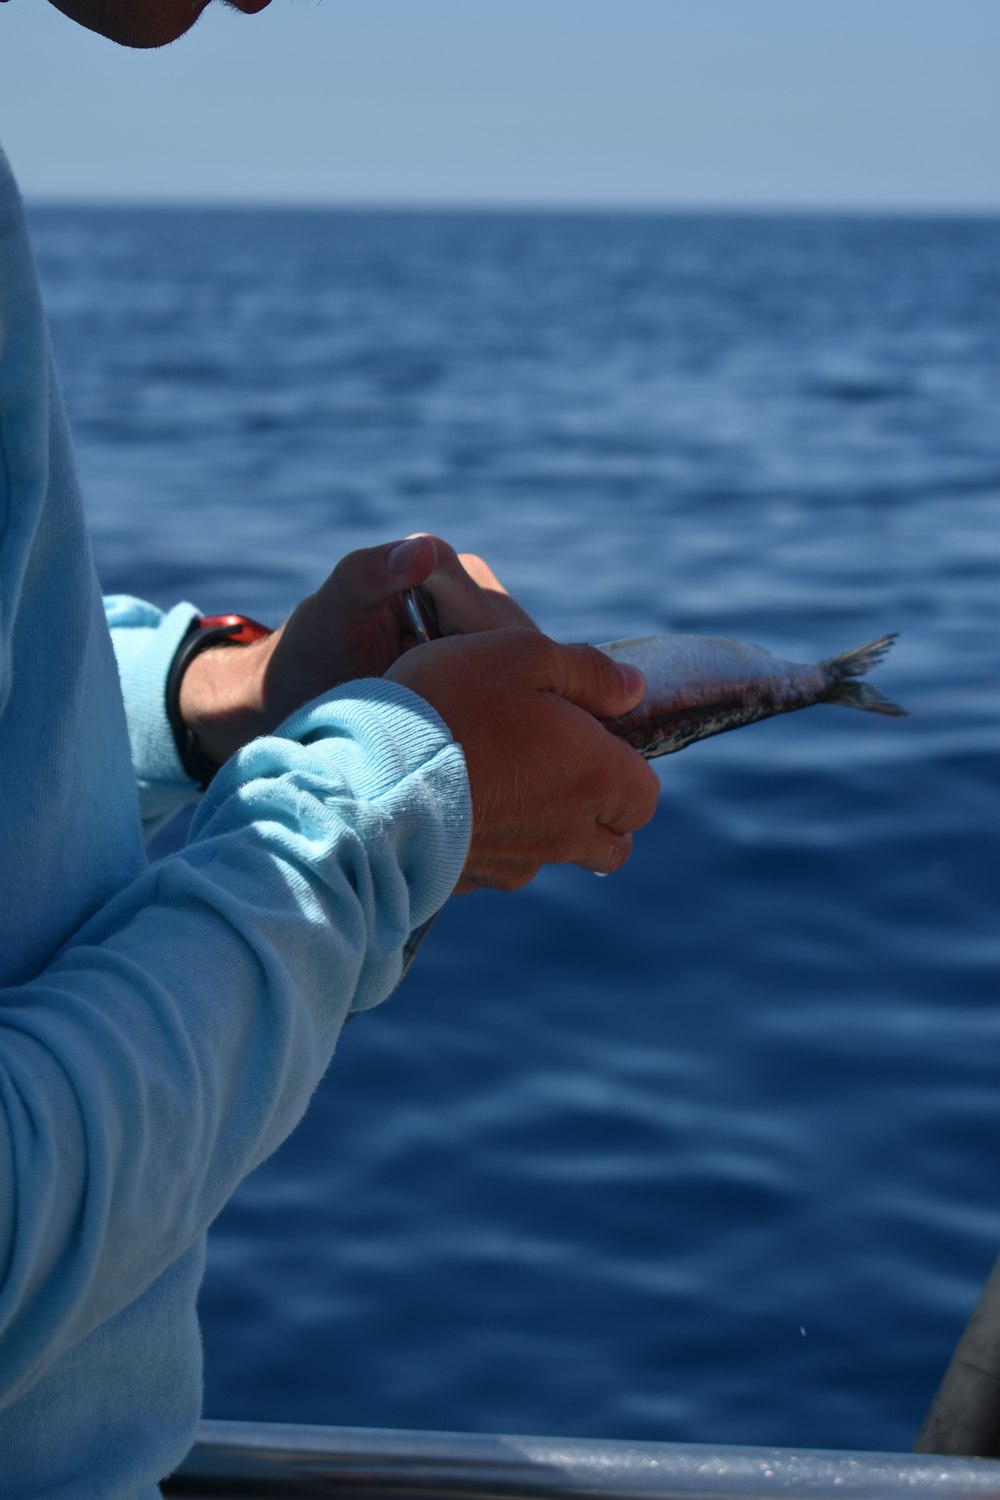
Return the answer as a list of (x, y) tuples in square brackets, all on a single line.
[(205, 631)]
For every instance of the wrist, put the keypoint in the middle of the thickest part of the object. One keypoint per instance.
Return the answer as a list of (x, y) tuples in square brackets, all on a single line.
[(214, 692)]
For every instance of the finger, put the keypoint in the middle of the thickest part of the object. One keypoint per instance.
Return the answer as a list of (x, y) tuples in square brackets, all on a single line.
[(498, 875), (505, 607), (363, 582), (585, 676), (480, 572), (456, 596), (632, 787), (607, 853), (600, 850), (469, 597), (619, 788)]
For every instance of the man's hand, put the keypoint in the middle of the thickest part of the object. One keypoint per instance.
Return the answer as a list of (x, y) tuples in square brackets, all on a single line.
[(549, 783), (355, 625)]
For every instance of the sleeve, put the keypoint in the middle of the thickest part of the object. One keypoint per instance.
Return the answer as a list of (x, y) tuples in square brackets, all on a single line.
[(175, 1041), (145, 640)]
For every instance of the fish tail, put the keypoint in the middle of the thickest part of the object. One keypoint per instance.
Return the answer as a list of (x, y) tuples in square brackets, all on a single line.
[(845, 670)]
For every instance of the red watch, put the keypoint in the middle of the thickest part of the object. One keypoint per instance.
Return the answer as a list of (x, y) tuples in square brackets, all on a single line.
[(204, 631)]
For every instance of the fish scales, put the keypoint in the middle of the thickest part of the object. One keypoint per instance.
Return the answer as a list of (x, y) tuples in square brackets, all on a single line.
[(697, 686)]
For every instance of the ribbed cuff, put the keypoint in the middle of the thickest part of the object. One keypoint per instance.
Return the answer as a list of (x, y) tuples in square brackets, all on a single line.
[(145, 641)]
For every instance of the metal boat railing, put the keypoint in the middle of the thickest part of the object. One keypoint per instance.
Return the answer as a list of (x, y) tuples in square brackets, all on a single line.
[(249, 1461)]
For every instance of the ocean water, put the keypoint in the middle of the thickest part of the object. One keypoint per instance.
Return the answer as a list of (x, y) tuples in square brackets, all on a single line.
[(708, 1151)]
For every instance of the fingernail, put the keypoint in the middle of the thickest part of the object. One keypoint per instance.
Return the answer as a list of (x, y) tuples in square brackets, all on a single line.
[(633, 679), (401, 558)]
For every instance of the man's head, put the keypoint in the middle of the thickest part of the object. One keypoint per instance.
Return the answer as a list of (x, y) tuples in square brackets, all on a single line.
[(144, 23)]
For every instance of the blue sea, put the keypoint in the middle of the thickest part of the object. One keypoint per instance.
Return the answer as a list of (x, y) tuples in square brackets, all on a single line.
[(709, 1151)]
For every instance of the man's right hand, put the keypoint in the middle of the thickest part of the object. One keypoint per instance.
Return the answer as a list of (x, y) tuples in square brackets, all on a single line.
[(549, 784)]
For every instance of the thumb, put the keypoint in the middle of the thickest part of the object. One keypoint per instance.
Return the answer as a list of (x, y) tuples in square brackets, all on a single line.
[(363, 581), (585, 676)]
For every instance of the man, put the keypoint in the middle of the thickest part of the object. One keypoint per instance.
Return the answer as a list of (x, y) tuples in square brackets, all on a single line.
[(162, 1027)]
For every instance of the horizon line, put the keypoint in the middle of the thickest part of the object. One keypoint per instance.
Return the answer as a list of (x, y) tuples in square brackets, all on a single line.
[(526, 206)]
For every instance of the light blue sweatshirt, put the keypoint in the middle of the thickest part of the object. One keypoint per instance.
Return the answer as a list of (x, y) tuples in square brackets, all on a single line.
[(161, 1027)]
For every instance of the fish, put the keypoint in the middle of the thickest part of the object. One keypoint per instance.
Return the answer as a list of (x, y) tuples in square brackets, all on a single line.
[(700, 685)]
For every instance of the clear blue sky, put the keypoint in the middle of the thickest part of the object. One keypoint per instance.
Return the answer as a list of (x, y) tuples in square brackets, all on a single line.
[(868, 103)]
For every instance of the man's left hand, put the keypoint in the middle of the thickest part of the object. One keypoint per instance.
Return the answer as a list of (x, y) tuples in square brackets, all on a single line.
[(355, 625)]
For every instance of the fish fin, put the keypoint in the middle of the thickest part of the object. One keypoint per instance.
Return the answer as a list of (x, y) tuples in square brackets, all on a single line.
[(846, 669)]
